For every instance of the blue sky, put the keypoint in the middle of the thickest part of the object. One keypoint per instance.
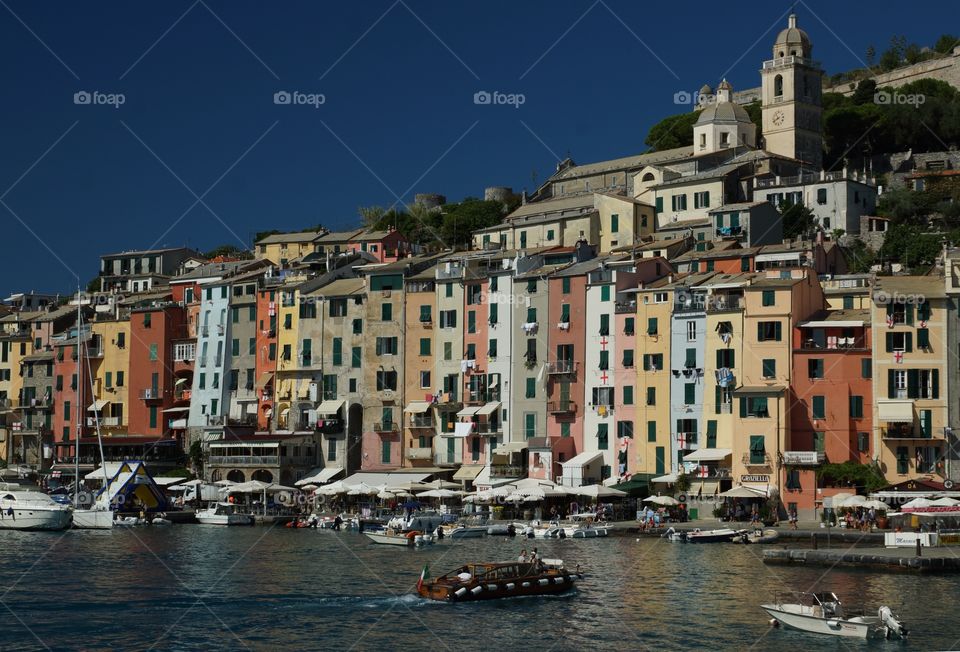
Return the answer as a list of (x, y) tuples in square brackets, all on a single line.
[(199, 154)]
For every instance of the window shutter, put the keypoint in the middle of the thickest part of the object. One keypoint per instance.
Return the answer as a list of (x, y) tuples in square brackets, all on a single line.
[(908, 311), (909, 342), (379, 346), (719, 360), (743, 407), (936, 383), (891, 383), (889, 342), (777, 331), (711, 434), (760, 331), (717, 398), (913, 383), (651, 431)]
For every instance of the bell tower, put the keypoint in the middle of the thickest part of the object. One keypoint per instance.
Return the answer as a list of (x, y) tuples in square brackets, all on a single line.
[(791, 98)]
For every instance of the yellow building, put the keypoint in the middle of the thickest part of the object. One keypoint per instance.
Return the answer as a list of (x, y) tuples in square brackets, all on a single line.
[(910, 366), (109, 356), (284, 248), (287, 378), (654, 310), (14, 346), (848, 292), (623, 220), (773, 304)]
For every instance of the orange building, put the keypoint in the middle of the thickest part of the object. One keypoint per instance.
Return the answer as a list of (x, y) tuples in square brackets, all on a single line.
[(831, 401)]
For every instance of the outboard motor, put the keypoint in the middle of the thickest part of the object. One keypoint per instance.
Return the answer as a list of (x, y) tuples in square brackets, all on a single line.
[(890, 624), (511, 530)]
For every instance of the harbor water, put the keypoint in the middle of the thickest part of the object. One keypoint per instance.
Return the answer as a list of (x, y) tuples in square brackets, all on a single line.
[(206, 587)]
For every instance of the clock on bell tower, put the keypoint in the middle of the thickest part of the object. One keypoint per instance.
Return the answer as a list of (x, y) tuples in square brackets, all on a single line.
[(791, 98)]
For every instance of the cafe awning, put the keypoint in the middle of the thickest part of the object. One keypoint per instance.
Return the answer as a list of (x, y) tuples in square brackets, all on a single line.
[(895, 410), (417, 407), (668, 478), (708, 455), (98, 405), (179, 381), (330, 407), (468, 411), (488, 409), (175, 410), (264, 379), (582, 460), (468, 472)]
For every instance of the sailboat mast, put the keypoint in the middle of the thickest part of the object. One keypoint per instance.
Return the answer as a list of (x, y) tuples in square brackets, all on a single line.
[(79, 385)]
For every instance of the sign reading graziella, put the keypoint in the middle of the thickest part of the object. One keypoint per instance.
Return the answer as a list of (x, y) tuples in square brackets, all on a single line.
[(754, 478)]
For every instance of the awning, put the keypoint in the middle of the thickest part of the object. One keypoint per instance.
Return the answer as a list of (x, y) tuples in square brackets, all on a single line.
[(488, 409), (320, 476), (265, 379), (744, 492), (766, 258), (179, 381), (508, 447), (384, 479), (668, 478), (97, 474), (895, 410), (174, 410), (468, 472), (708, 455), (417, 407), (165, 481), (98, 405), (284, 412), (848, 323), (462, 429), (582, 460), (759, 389), (468, 411), (330, 407)]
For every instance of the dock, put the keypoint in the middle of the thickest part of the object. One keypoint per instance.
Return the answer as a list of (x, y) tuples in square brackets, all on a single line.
[(933, 560)]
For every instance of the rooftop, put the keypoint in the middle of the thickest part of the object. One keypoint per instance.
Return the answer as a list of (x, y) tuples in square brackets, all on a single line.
[(151, 252), (930, 287), (339, 237), (280, 238), (626, 162)]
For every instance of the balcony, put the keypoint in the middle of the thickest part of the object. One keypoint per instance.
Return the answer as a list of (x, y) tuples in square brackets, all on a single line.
[(105, 422), (625, 307), (487, 429), (215, 420), (804, 458), (561, 407), (183, 395), (94, 351), (153, 394), (783, 62), (243, 460), (906, 431), (731, 232), (561, 367), (177, 424), (756, 460), (418, 453), (834, 344), (508, 470), (725, 303), (690, 303), (385, 427), (420, 421)]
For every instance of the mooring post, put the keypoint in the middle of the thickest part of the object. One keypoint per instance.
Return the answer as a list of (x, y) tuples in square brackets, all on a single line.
[(813, 536), (919, 553)]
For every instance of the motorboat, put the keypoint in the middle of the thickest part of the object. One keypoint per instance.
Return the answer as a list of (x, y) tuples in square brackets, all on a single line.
[(419, 521), (490, 581), (222, 514), (394, 538), (696, 535), (586, 531), (757, 536), (504, 530), (823, 613), (465, 531), (25, 508)]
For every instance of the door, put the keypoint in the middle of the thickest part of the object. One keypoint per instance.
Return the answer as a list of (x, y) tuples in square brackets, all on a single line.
[(451, 443)]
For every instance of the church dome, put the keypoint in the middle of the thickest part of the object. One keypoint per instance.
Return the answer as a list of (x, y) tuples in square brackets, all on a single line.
[(792, 41), (706, 90), (723, 112)]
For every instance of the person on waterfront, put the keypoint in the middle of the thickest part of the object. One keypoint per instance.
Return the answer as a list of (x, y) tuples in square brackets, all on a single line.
[(793, 518), (523, 556), (754, 515), (535, 556)]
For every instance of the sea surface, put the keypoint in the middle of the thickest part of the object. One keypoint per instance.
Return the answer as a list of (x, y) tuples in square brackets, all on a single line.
[(193, 587)]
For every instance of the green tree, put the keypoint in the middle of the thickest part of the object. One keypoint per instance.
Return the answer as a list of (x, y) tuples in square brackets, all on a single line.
[(260, 235), (231, 251), (197, 456), (371, 215), (864, 93), (798, 220), (461, 220), (672, 132), (859, 257), (946, 43), (910, 245)]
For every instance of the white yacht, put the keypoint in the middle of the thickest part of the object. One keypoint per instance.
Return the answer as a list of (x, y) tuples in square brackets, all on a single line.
[(823, 613), (93, 519), (26, 508)]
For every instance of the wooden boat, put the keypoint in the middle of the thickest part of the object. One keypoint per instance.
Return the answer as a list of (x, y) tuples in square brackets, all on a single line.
[(498, 580)]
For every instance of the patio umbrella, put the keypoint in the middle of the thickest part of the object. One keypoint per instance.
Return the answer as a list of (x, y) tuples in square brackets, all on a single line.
[(363, 489), (333, 489), (399, 493), (839, 499), (502, 491), (440, 493), (439, 484), (917, 503), (945, 502), (851, 501), (409, 486), (385, 495), (224, 483), (741, 492), (599, 491), (532, 494), (666, 501), (875, 504)]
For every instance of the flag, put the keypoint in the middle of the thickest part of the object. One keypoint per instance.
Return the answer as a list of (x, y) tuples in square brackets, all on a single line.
[(423, 576)]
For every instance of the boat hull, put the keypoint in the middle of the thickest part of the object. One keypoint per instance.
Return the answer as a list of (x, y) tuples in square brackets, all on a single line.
[(36, 519), (474, 591), (93, 519), (391, 539), (466, 533), (224, 519), (816, 625)]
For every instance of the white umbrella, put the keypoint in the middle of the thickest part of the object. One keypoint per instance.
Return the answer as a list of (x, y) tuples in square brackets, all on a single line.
[(440, 493), (224, 483), (385, 495), (363, 489), (741, 492), (502, 491), (599, 491), (190, 483), (875, 504), (839, 499), (437, 484), (333, 489), (917, 502), (307, 487), (666, 501), (945, 502), (409, 486), (851, 501), (515, 498)]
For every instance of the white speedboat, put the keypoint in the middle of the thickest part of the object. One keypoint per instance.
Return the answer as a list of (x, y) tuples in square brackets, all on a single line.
[(411, 538), (419, 521), (466, 532), (23, 508), (722, 535), (222, 514), (822, 613), (586, 531)]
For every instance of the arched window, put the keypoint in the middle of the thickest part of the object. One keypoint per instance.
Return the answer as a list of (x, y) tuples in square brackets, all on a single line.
[(778, 86), (649, 176)]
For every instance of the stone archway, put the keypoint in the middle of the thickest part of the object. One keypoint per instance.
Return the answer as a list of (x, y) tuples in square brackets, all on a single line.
[(215, 475), (262, 475), (236, 476)]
